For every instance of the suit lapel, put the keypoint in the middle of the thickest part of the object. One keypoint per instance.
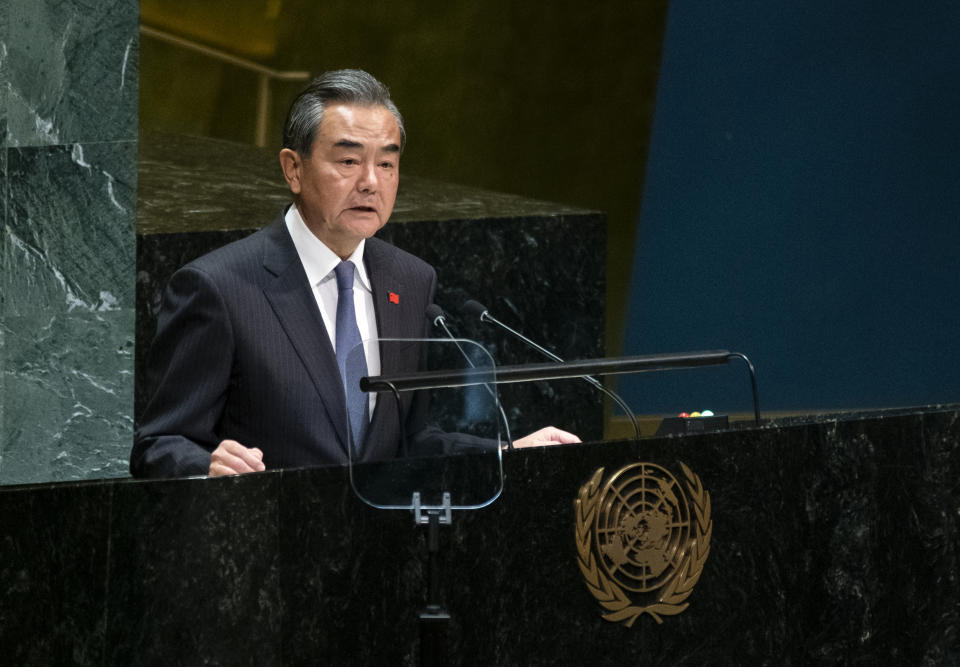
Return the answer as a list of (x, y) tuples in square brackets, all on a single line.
[(293, 302), (388, 286)]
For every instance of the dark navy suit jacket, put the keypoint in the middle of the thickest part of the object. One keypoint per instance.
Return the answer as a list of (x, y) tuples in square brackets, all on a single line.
[(241, 352)]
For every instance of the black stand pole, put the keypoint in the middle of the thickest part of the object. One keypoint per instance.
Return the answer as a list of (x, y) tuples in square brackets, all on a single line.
[(433, 619)]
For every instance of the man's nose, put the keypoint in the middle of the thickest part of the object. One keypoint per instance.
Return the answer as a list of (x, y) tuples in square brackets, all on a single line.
[(367, 179)]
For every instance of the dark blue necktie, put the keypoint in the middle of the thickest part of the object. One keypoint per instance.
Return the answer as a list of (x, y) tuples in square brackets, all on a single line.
[(350, 355)]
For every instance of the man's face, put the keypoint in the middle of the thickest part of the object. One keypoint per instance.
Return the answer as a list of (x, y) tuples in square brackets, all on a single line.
[(346, 187)]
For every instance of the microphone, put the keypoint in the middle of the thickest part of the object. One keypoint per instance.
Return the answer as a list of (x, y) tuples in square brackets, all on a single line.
[(478, 310), (437, 317)]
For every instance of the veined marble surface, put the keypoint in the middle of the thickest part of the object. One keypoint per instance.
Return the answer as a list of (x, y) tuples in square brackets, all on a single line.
[(3, 226), (73, 69), (68, 122), (4, 12), (68, 280), (198, 184)]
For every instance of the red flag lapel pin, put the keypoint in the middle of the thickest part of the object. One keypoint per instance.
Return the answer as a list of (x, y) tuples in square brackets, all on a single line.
[(394, 298)]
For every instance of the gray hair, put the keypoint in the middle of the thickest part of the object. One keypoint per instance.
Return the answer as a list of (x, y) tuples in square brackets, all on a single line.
[(344, 86)]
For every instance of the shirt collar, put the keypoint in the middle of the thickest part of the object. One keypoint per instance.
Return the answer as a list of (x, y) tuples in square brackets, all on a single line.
[(318, 260)]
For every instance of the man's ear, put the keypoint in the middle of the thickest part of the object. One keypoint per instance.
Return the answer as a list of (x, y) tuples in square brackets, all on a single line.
[(290, 163)]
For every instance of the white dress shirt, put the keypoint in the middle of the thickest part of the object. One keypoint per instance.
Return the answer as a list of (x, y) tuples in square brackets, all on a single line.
[(319, 261)]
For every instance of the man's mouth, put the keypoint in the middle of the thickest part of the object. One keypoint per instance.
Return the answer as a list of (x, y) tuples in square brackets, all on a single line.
[(363, 209)]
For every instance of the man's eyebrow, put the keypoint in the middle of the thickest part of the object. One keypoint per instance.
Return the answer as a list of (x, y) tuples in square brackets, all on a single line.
[(356, 145)]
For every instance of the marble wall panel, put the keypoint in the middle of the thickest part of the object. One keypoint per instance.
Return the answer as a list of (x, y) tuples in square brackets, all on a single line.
[(4, 12), (68, 125), (73, 71), (68, 280), (3, 253), (4, 21)]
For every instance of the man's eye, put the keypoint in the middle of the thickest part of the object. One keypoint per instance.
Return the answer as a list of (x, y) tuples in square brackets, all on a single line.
[(386, 165), (349, 161)]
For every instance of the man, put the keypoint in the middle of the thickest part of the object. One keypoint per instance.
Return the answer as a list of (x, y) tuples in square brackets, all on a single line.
[(251, 352)]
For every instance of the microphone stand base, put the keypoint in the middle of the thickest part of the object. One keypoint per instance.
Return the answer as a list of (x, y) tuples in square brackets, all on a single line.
[(434, 624)]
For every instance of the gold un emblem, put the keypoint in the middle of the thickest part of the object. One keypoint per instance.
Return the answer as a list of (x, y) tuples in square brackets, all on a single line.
[(642, 540)]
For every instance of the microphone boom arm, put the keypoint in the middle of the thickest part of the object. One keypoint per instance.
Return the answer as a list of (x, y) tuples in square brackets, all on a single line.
[(485, 316)]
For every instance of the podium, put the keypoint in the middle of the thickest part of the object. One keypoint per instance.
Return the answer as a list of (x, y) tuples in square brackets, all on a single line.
[(833, 540)]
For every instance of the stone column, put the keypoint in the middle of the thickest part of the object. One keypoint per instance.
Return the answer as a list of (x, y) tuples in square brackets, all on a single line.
[(68, 163)]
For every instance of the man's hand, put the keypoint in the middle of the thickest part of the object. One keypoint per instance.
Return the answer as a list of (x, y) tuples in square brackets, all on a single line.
[(232, 458), (546, 436)]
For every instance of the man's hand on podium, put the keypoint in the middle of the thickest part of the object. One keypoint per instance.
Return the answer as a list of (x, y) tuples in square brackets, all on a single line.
[(546, 436), (232, 458)]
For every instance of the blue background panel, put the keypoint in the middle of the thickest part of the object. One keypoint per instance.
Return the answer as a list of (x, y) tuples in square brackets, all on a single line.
[(801, 205)]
